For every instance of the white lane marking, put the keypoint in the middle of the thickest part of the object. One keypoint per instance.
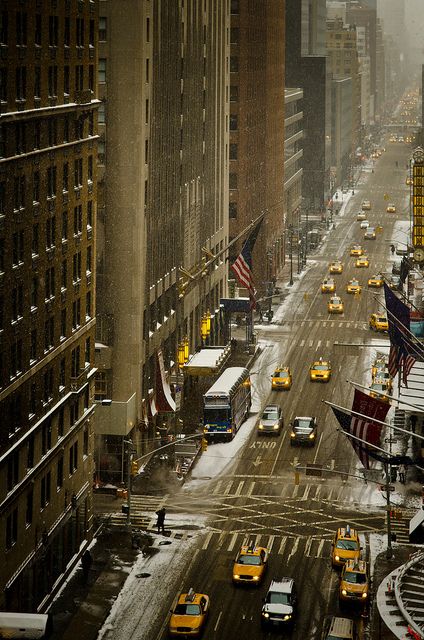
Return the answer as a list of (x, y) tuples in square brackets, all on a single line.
[(278, 454), (227, 489), (239, 488), (320, 546), (319, 344), (308, 547), (293, 549), (328, 343), (318, 491), (270, 542), (207, 540), (332, 325), (311, 342), (317, 448), (250, 490), (217, 488), (232, 542), (217, 622), (306, 492), (282, 544), (302, 343), (302, 324)]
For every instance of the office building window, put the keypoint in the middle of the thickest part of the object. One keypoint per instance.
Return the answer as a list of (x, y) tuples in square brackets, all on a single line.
[(36, 187), (102, 29), (20, 137), (233, 151), (62, 324), (21, 29), (232, 210), (78, 220), (73, 458), (63, 274), (29, 507), (53, 30), (12, 470), (61, 415), (91, 77), (80, 32), (46, 437), (50, 232), (4, 27), (66, 80), (18, 248), (75, 362), (235, 7), (90, 169), (64, 226), (11, 529), (49, 283), (101, 113), (65, 177), (87, 355), (15, 358), (59, 473), (101, 69), (88, 312), (35, 239), (51, 182), (101, 151), (34, 292), (147, 70), (79, 77), (52, 81), (30, 451), (234, 64), (45, 490), (91, 36), (33, 347), (65, 129), (49, 334), (76, 267), (67, 32), (37, 30), (48, 390), (78, 173), (76, 314), (37, 135), (20, 83), (37, 82), (52, 131), (89, 214), (17, 302), (233, 122), (19, 192), (233, 181)]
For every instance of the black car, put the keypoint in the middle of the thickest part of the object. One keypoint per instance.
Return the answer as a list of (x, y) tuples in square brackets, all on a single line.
[(304, 431)]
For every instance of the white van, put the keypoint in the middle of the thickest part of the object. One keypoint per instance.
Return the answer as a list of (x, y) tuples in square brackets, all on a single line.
[(31, 626), (341, 629)]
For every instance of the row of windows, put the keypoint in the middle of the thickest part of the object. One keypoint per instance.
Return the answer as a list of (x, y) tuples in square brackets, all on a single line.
[(37, 396), (40, 344), (44, 487), (70, 76), (23, 137), (45, 26)]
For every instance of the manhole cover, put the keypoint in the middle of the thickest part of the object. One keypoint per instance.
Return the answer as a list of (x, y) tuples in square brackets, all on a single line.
[(142, 575), (165, 542)]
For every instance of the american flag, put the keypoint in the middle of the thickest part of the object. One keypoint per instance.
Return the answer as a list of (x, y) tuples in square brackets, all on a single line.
[(363, 427), (403, 351), (242, 267)]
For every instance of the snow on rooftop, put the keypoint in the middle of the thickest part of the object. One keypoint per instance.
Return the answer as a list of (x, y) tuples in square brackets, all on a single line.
[(207, 358)]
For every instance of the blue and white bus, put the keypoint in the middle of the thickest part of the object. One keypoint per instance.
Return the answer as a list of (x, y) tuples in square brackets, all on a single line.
[(227, 404)]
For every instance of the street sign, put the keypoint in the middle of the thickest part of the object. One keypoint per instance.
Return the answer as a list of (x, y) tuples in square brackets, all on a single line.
[(314, 470), (390, 440), (383, 487)]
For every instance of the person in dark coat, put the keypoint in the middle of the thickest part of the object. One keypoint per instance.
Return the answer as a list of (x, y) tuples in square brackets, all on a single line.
[(86, 562), (161, 520)]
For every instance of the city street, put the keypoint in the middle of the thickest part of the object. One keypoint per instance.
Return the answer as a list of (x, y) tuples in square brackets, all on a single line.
[(245, 492)]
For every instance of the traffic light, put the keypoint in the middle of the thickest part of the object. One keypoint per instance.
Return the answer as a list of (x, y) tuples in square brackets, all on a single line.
[(204, 444), (134, 467)]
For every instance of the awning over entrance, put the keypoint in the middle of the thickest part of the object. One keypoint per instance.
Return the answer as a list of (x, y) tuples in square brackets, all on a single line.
[(208, 361)]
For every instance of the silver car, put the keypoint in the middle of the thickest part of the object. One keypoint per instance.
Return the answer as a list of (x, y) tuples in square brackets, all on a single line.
[(271, 421)]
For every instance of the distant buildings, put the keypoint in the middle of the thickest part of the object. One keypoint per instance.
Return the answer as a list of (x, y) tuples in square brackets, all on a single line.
[(48, 185)]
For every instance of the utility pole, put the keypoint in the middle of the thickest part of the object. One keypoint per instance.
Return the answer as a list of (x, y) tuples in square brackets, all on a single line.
[(291, 254)]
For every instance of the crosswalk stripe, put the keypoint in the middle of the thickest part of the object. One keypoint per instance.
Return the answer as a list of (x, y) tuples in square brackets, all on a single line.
[(308, 547), (320, 546), (227, 489), (282, 545), (217, 487), (250, 489), (232, 541), (311, 342), (271, 542), (302, 343), (207, 540), (239, 488)]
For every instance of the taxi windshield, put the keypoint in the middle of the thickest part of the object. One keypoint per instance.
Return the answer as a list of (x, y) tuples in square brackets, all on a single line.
[(187, 610), (355, 578), (281, 374), (347, 545), (320, 367), (381, 319), (253, 561)]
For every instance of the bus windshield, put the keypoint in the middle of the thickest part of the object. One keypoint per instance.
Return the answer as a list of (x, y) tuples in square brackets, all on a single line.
[(216, 414)]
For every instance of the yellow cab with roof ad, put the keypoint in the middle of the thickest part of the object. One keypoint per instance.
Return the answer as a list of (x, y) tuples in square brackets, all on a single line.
[(320, 371), (353, 286), (189, 615), (250, 564), (282, 378), (354, 583), (376, 281), (378, 322), (356, 250), (328, 286), (336, 267), (345, 546)]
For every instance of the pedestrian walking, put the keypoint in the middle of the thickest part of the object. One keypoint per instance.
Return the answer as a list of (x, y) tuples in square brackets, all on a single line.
[(161, 520), (401, 472), (392, 248), (86, 561)]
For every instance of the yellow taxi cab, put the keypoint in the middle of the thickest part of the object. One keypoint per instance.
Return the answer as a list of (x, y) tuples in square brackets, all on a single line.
[(376, 281), (378, 365), (408, 181), (378, 322), (354, 582), (391, 208), (356, 250), (320, 371), (362, 262), (336, 267), (345, 546), (328, 286), (380, 390), (282, 378), (353, 286), (250, 564), (361, 216), (189, 615), (335, 305), (366, 205)]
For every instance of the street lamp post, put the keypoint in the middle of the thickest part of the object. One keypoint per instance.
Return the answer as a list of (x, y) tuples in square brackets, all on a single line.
[(291, 254)]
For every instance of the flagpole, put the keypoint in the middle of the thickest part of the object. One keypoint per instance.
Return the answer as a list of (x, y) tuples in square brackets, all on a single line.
[(388, 474), (415, 344), (405, 298)]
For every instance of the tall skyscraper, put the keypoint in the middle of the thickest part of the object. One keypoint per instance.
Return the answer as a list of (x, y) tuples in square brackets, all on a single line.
[(256, 173), (47, 269), (163, 202)]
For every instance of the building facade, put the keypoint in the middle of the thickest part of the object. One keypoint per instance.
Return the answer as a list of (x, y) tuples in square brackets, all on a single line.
[(341, 128), (47, 299), (293, 155), (163, 204), (256, 174)]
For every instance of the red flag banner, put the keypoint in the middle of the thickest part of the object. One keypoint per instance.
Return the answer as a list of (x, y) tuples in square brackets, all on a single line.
[(365, 428)]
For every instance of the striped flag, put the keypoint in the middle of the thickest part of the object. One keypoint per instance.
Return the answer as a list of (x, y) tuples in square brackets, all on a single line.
[(403, 351), (363, 427), (242, 267)]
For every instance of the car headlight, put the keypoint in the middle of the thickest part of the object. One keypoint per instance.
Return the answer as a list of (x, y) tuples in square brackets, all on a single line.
[(365, 594), (236, 576), (292, 435), (256, 578), (261, 426), (276, 426), (265, 614), (337, 558), (344, 592), (287, 617), (312, 436)]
